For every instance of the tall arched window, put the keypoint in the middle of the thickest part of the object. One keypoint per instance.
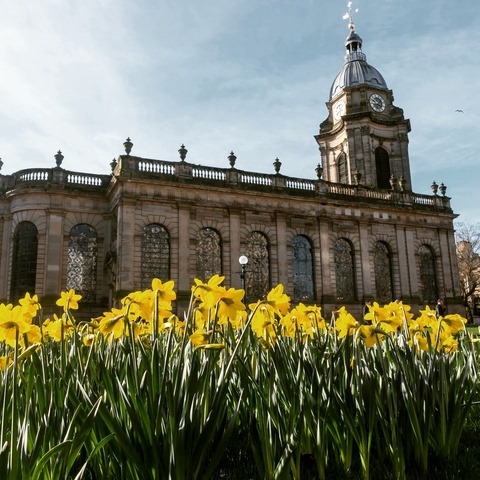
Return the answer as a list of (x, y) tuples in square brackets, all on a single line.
[(382, 165), (342, 168), (155, 255), (257, 278), (209, 254), (344, 271), (382, 260), (82, 261), (302, 266), (428, 274), (24, 261)]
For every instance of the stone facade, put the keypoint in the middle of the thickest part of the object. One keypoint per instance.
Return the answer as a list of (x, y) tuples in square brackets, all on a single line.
[(354, 233), (185, 198)]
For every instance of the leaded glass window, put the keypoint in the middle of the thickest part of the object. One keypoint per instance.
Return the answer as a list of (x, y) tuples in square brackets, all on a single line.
[(302, 266), (428, 274), (344, 270), (155, 254), (342, 168), (257, 278), (24, 264), (82, 261), (382, 164), (383, 273), (209, 254)]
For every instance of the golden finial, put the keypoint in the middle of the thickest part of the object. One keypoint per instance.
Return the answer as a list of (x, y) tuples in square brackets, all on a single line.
[(349, 16)]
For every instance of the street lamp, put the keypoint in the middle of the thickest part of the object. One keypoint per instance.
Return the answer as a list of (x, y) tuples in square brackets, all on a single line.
[(243, 260)]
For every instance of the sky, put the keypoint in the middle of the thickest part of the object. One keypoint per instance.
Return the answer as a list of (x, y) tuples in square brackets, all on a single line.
[(250, 76)]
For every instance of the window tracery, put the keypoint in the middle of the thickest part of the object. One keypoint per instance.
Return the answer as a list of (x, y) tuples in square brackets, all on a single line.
[(302, 266), (82, 261), (155, 254), (24, 265), (257, 277), (383, 273), (428, 275), (344, 270), (209, 254)]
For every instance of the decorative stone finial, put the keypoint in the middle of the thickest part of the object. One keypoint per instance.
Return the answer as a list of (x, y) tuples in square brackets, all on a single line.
[(277, 164), (401, 183), (443, 189), (183, 152), (434, 187), (319, 171), (232, 159), (113, 164), (349, 16), (128, 145), (59, 158), (1, 164)]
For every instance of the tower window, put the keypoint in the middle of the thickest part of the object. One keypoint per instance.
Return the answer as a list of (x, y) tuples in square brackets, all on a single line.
[(342, 168), (382, 165)]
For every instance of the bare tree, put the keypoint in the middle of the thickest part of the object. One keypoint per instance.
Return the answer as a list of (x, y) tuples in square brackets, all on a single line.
[(467, 237)]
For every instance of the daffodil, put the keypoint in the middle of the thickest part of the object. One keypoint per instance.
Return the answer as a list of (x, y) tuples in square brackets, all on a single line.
[(30, 304), (69, 300), (200, 337), (230, 303), (57, 328), (13, 325), (453, 323), (164, 293), (345, 323)]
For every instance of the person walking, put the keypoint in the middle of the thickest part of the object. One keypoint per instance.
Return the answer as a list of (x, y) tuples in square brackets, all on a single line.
[(440, 308)]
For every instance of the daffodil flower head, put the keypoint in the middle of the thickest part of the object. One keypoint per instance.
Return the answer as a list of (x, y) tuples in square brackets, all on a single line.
[(69, 300)]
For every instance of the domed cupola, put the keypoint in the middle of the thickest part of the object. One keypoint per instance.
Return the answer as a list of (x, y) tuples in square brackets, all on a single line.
[(356, 71)]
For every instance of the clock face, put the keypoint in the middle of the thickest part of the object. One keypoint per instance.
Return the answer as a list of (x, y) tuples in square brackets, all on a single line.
[(377, 102), (338, 109)]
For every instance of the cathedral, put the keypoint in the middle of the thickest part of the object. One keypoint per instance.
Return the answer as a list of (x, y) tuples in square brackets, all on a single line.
[(355, 231)]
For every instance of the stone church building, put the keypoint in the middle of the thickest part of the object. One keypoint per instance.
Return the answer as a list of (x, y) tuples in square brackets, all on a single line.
[(354, 231)]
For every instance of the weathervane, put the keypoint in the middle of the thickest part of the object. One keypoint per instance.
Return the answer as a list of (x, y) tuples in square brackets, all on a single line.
[(349, 15)]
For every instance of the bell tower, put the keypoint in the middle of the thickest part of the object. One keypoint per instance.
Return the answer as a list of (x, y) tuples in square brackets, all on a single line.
[(364, 139)]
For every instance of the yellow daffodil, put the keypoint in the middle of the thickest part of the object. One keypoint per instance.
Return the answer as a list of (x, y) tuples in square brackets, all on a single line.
[(57, 328), (370, 334), (345, 323), (200, 337), (69, 300), (165, 293), (453, 323), (230, 303), (30, 304), (5, 362)]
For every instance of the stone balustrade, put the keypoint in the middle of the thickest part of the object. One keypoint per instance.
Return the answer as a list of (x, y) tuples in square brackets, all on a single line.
[(137, 167)]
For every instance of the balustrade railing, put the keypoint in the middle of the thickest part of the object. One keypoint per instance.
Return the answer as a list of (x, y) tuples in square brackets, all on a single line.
[(127, 165)]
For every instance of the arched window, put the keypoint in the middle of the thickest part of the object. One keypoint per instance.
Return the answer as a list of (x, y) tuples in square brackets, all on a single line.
[(428, 274), (344, 271), (24, 264), (82, 261), (155, 255), (209, 254), (383, 273), (382, 165), (342, 168), (257, 278), (302, 266)]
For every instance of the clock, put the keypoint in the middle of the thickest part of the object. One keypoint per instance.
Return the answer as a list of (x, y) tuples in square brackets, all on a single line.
[(377, 102), (338, 110)]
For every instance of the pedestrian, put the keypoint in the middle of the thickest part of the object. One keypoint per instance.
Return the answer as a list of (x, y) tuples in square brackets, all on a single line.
[(440, 308)]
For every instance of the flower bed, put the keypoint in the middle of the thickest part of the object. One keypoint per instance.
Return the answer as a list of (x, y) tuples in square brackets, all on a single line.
[(140, 393)]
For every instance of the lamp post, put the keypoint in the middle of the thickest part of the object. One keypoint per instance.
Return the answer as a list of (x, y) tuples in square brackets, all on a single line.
[(243, 260)]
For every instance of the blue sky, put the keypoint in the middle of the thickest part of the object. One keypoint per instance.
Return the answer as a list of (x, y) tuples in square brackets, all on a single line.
[(250, 76)]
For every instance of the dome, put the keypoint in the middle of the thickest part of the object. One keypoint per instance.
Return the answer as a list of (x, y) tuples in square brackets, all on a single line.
[(356, 71)]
